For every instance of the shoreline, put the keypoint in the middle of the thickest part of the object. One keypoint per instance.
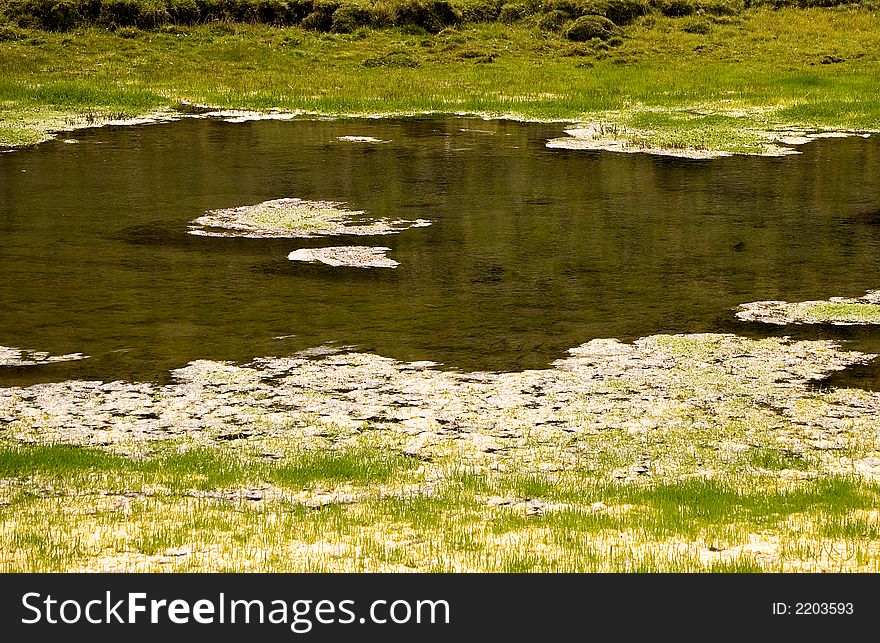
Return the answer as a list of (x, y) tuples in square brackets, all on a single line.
[(730, 87), (585, 135)]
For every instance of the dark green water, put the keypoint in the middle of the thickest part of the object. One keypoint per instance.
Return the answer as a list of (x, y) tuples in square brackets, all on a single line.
[(532, 251)]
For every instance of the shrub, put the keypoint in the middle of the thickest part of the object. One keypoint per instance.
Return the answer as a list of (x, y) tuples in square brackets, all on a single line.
[(588, 27), (211, 10), (485, 11), (348, 17), (51, 15), (183, 12), (677, 8), (152, 14), (510, 13), (120, 13), (297, 10), (228, 10), (272, 12), (244, 10), (553, 20), (432, 16), (321, 17)]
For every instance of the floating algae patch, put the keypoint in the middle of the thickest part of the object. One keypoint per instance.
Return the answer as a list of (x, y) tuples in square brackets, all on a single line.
[(352, 256), (360, 139), (20, 357), (295, 218), (836, 310)]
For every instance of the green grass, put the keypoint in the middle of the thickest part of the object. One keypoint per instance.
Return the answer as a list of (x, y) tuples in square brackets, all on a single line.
[(360, 467), (105, 511), (56, 461), (202, 468)]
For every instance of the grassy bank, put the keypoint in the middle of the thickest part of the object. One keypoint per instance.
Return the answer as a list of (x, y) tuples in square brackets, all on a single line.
[(701, 81)]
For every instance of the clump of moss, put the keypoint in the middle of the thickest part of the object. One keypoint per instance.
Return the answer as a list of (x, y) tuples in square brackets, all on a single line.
[(483, 11), (696, 25), (676, 8), (432, 15), (623, 12)]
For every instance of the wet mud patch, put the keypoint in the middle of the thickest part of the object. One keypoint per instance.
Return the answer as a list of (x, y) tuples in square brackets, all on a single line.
[(840, 311), (863, 376), (295, 218)]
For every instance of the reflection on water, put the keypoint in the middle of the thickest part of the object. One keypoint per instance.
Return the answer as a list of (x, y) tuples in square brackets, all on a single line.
[(531, 251)]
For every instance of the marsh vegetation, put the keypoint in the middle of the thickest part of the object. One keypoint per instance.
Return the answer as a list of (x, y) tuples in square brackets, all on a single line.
[(704, 451), (677, 453)]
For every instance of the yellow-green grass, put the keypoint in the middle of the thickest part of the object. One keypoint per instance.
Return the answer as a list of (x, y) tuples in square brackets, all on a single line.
[(662, 86), (838, 310), (74, 508), (862, 313)]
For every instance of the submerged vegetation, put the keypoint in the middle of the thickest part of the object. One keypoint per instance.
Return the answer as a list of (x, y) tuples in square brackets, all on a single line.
[(663, 75)]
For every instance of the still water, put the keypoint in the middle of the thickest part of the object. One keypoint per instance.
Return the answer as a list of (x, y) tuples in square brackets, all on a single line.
[(531, 251)]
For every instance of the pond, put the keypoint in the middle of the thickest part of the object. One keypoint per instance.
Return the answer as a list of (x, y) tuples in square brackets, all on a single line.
[(530, 251)]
